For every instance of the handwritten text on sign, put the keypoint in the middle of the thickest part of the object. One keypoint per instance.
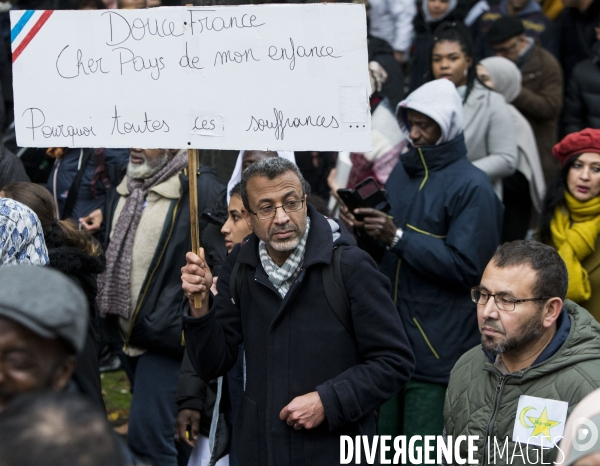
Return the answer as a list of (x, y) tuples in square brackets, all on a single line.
[(249, 77)]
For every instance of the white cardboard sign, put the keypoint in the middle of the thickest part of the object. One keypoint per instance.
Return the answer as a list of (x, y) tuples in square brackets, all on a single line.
[(280, 77)]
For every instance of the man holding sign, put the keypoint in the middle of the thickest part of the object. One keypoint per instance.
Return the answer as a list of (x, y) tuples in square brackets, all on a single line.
[(309, 378)]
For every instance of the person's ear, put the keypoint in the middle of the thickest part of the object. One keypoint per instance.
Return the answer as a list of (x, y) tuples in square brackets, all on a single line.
[(247, 219), (552, 310), (469, 62), (63, 373)]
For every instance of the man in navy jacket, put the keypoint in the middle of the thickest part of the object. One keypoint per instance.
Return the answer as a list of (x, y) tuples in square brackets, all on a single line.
[(309, 379), (442, 229)]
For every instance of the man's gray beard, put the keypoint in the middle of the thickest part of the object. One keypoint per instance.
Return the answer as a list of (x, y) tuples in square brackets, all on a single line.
[(532, 331), (290, 244), (281, 246), (146, 170)]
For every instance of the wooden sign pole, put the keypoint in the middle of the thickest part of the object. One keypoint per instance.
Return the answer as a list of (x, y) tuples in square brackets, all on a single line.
[(193, 174)]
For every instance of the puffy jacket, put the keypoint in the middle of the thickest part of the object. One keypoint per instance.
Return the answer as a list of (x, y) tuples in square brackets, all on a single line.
[(582, 104), (451, 221), (481, 401), (156, 321), (297, 345)]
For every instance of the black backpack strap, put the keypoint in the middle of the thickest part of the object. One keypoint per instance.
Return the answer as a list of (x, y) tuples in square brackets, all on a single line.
[(335, 290), (235, 283), (74, 188)]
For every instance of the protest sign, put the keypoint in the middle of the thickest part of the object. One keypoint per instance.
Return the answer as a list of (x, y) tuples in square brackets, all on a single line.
[(276, 77)]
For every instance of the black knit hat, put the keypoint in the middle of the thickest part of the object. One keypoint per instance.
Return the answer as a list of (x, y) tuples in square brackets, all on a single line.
[(505, 28)]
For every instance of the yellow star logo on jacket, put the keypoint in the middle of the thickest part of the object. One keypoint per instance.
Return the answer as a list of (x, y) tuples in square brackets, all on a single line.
[(542, 424), (539, 421)]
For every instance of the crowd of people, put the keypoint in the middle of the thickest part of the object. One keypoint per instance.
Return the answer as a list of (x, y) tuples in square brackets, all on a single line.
[(305, 317)]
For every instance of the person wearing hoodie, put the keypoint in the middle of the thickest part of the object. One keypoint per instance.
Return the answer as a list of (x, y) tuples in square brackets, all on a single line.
[(309, 377), (443, 227), (526, 188), (538, 359)]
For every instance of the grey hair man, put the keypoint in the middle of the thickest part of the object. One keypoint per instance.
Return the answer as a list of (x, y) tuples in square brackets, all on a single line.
[(306, 370)]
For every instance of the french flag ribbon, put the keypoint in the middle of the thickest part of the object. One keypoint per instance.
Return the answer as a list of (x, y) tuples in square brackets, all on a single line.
[(26, 28)]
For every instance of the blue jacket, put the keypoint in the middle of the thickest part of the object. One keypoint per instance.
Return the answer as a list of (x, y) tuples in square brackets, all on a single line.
[(452, 222), (297, 345), (64, 172)]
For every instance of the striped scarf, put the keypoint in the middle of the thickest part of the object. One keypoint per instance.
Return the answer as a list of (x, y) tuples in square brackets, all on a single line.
[(283, 277)]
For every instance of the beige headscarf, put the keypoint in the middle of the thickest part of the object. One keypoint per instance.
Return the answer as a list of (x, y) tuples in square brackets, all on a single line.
[(506, 78)]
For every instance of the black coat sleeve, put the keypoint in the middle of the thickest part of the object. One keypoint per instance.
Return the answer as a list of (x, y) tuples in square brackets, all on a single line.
[(387, 358), (574, 106), (215, 340)]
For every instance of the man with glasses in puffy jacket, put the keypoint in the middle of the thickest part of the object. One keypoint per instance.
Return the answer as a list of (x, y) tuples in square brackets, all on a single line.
[(537, 359)]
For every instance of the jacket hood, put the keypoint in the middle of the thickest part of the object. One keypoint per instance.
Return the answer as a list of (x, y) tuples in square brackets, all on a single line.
[(505, 75), (440, 101), (420, 161), (530, 8), (581, 345), (427, 16), (70, 260)]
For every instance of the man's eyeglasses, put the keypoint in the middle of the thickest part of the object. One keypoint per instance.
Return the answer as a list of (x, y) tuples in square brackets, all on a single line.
[(288, 207), (503, 51), (504, 303)]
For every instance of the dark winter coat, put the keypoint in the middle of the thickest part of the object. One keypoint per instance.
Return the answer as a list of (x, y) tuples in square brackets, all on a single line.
[(92, 193), (577, 36), (297, 345), (157, 318), (536, 24), (451, 221), (382, 52), (541, 101), (83, 270), (582, 103)]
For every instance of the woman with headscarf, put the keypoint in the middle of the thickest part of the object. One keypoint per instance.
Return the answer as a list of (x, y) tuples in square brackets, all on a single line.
[(488, 126), (570, 219), (527, 185), (429, 17), (21, 235)]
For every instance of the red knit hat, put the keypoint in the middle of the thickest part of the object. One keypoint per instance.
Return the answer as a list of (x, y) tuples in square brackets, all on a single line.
[(579, 143)]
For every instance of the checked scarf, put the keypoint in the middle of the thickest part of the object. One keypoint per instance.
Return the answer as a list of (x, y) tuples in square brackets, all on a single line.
[(283, 277)]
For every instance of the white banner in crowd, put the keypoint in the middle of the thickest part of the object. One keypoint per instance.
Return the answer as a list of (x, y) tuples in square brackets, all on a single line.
[(276, 77)]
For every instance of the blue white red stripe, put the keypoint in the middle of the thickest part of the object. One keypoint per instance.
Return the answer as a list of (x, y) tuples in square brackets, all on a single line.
[(26, 28)]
